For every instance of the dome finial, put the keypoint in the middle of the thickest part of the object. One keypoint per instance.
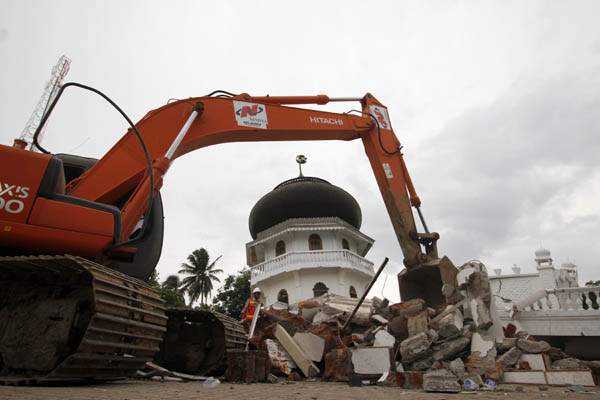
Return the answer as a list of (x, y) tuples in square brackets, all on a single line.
[(301, 159)]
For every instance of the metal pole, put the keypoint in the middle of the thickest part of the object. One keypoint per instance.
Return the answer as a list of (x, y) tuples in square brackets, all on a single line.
[(198, 109), (253, 325), (422, 219), (345, 99), (365, 293)]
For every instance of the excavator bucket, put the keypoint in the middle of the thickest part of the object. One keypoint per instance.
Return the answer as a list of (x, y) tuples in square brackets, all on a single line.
[(64, 318), (427, 280)]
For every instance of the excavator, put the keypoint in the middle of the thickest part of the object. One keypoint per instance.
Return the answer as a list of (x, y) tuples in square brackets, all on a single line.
[(79, 237)]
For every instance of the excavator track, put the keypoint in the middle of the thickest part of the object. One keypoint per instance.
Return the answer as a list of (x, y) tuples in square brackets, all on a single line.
[(65, 318)]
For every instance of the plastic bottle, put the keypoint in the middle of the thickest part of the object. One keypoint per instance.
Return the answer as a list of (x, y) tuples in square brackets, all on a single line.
[(211, 383), (470, 385)]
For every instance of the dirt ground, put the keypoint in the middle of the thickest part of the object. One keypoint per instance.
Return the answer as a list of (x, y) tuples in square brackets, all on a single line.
[(137, 389)]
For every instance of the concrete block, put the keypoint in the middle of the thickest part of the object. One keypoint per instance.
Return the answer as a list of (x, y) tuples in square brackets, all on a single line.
[(280, 359), (417, 323), (415, 347), (482, 345), (337, 365), (371, 360), (451, 324), (535, 361), (408, 307), (295, 351), (583, 378), (532, 377), (312, 345), (509, 358), (378, 319), (382, 338), (450, 348), (441, 380), (480, 313), (532, 347)]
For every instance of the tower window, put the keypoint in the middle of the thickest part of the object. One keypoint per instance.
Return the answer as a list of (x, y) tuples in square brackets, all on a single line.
[(280, 248), (320, 289), (353, 292), (282, 296), (315, 242), (345, 244)]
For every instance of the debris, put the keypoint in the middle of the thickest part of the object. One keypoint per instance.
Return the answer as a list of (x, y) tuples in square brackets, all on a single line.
[(371, 360), (295, 351), (558, 377), (337, 365), (509, 358), (160, 371), (382, 338), (211, 383), (450, 348), (441, 380), (281, 362), (417, 323), (470, 385), (535, 361), (532, 347), (578, 389), (415, 347), (568, 363), (312, 345), (247, 366)]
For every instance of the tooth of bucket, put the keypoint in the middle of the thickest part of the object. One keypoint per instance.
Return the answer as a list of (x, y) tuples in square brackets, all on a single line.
[(426, 281)]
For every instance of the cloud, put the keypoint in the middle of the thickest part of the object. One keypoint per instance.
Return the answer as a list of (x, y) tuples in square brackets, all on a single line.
[(518, 170)]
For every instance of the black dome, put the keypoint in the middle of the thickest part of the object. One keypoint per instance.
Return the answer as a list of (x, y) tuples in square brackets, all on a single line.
[(303, 197)]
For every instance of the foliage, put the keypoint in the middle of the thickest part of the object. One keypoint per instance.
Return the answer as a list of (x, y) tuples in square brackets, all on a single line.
[(230, 298), (172, 282), (172, 296), (201, 273)]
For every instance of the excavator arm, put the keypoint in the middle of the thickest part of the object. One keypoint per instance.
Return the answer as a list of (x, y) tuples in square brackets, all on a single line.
[(122, 178)]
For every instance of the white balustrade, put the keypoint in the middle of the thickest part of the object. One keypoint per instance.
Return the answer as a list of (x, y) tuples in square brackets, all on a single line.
[(567, 299), (304, 259)]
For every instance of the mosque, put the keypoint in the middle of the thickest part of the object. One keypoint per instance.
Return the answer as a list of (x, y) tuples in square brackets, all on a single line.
[(307, 242)]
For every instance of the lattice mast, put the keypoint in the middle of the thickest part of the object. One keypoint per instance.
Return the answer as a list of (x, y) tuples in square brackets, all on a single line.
[(59, 71)]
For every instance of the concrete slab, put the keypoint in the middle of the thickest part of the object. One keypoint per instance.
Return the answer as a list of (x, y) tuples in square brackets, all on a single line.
[(295, 351), (531, 377), (383, 338), (371, 360), (536, 361), (565, 377), (312, 345), (481, 344)]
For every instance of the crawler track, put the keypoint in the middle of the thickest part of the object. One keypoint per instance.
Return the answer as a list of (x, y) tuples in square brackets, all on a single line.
[(64, 318)]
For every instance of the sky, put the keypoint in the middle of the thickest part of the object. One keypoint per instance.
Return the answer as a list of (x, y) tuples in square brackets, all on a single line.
[(495, 102)]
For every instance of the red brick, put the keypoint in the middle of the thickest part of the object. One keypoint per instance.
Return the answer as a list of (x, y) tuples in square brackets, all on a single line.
[(337, 365)]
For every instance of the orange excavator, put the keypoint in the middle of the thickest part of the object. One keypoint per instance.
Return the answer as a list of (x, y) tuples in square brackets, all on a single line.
[(79, 236)]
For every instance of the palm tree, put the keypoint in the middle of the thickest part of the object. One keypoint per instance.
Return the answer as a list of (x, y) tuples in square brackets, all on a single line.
[(199, 283), (172, 282)]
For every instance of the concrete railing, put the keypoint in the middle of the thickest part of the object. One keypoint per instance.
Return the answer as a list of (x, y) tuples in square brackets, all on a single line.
[(567, 299), (314, 258)]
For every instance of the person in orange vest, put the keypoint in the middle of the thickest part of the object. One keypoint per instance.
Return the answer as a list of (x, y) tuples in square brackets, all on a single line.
[(250, 307)]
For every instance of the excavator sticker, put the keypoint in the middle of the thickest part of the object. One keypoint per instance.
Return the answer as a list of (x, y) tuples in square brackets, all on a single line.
[(382, 117), (252, 115)]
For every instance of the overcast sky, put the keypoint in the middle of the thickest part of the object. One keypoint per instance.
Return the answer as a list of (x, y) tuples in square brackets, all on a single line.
[(496, 104)]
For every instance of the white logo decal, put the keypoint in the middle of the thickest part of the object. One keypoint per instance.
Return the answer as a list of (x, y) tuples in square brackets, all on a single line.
[(329, 121), (12, 206), (252, 115), (381, 114), (388, 171)]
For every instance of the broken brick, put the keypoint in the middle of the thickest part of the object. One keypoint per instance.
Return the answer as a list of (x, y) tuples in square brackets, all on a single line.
[(337, 365)]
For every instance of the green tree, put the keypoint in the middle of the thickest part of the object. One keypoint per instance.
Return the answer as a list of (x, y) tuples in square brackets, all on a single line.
[(170, 295), (232, 296), (172, 282), (202, 274)]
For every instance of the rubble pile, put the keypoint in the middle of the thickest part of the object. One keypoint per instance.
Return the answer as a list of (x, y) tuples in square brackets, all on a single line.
[(408, 344)]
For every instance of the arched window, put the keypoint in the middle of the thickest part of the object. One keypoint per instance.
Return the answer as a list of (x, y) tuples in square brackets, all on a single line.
[(353, 292), (314, 242), (282, 296), (320, 289), (280, 248), (345, 244)]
